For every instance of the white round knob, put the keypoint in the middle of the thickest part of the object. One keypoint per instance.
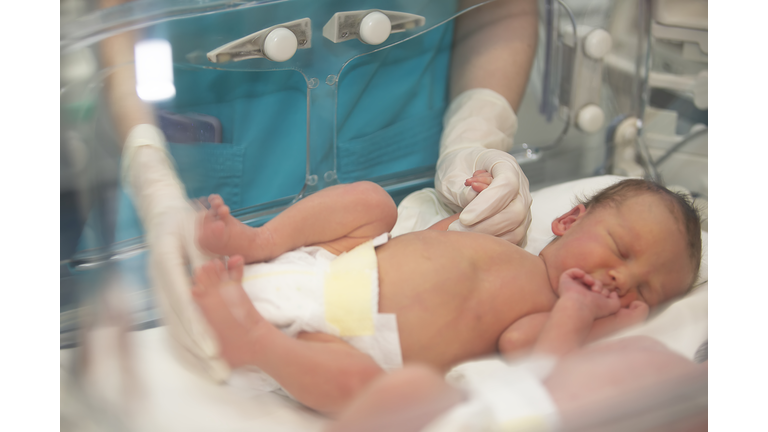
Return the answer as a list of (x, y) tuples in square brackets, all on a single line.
[(626, 132), (280, 44), (597, 44), (375, 28), (590, 118)]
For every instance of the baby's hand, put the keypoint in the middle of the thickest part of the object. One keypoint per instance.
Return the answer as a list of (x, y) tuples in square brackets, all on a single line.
[(479, 181), (635, 313), (579, 287)]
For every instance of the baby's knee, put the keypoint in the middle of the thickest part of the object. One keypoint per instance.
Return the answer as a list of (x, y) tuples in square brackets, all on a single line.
[(377, 200), (410, 386), (349, 381)]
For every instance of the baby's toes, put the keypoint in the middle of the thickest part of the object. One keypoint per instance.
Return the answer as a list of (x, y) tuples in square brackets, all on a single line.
[(235, 268), (222, 211), (215, 199), (220, 271), (205, 278)]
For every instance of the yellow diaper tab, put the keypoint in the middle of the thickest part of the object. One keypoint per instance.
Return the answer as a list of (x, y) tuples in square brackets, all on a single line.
[(349, 290), (524, 424)]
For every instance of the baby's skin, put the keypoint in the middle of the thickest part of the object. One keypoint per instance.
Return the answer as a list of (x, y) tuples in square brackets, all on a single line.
[(580, 288), (457, 295), (226, 305), (219, 294), (220, 233)]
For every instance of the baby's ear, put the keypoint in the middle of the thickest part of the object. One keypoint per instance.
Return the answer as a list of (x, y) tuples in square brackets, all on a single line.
[(564, 222)]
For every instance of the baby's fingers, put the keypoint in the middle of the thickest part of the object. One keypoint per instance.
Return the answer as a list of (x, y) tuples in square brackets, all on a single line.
[(479, 181), (597, 286), (574, 273), (478, 186), (635, 312)]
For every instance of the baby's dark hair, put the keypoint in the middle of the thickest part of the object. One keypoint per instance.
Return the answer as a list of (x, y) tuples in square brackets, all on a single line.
[(680, 205)]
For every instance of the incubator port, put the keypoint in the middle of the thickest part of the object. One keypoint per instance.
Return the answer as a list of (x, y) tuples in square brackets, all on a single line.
[(371, 27), (590, 118), (597, 44), (280, 44), (375, 28)]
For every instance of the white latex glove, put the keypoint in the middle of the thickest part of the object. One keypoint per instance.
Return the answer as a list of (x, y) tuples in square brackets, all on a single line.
[(170, 224), (172, 256), (478, 129), (502, 210)]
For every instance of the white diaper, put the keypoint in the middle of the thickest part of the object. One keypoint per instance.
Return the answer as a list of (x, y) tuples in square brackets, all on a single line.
[(501, 397), (312, 290)]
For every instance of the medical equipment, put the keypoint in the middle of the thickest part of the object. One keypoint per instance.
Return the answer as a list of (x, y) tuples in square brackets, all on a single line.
[(335, 135), (625, 81)]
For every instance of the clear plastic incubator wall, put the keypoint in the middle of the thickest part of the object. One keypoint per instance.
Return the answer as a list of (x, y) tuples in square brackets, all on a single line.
[(266, 102)]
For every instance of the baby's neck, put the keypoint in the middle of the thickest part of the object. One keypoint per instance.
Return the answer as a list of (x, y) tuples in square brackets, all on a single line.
[(551, 283)]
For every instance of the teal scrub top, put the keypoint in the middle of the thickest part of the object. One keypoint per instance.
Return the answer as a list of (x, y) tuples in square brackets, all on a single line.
[(334, 113)]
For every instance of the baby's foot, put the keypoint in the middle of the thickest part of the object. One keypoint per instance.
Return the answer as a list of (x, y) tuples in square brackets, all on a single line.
[(221, 233), (219, 294)]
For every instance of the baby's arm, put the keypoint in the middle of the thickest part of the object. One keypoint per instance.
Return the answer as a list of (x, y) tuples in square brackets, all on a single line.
[(523, 333), (582, 301)]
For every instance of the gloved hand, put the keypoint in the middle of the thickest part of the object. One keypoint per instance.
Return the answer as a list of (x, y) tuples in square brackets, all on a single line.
[(502, 209), (170, 224), (173, 254), (477, 135)]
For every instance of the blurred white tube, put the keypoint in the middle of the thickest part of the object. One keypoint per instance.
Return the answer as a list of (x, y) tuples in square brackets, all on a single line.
[(154, 70)]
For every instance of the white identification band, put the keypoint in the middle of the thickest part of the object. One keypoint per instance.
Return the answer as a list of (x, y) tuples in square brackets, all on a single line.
[(515, 396)]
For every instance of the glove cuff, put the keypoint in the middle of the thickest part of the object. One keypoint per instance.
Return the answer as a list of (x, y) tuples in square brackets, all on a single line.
[(478, 118)]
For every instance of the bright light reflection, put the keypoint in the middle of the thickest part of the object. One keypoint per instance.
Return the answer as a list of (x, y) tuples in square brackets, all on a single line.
[(154, 70)]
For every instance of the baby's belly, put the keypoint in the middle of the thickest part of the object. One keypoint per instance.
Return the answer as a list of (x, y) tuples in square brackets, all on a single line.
[(446, 300)]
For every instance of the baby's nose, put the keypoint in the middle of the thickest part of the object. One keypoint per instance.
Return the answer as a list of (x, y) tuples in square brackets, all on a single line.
[(614, 282)]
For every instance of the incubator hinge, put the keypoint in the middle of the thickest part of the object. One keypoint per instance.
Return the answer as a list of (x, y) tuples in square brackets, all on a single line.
[(372, 26), (277, 43)]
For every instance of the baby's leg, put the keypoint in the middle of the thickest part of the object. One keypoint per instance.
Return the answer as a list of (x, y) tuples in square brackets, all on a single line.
[(337, 218), (319, 370), (405, 400)]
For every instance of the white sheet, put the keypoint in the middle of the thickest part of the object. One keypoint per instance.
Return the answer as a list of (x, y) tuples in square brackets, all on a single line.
[(169, 396)]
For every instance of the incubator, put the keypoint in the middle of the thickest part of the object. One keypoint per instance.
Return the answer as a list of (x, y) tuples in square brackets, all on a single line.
[(265, 102)]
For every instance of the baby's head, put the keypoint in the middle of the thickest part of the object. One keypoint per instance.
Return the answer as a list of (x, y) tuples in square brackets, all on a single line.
[(635, 236), (679, 205)]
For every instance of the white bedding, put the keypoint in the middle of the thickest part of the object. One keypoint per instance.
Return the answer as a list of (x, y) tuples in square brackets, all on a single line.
[(168, 394)]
